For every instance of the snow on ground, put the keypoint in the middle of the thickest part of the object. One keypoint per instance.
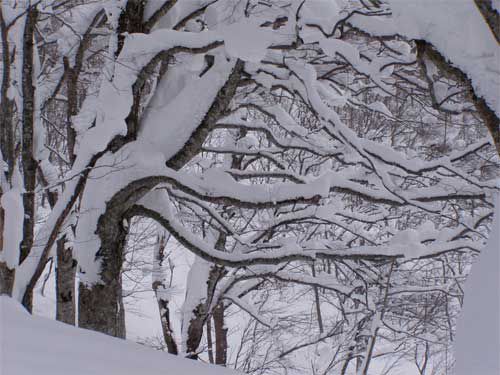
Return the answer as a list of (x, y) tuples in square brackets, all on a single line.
[(33, 345), (477, 346)]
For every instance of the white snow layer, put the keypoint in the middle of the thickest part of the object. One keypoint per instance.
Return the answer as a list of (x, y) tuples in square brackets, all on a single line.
[(477, 345), (33, 345), (11, 201)]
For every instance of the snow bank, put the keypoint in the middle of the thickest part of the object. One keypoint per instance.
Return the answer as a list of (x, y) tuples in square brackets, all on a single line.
[(477, 345), (33, 345)]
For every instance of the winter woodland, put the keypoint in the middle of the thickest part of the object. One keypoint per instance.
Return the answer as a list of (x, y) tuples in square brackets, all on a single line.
[(278, 187)]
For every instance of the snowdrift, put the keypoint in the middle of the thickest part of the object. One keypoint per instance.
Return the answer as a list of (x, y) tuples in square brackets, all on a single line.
[(31, 345)]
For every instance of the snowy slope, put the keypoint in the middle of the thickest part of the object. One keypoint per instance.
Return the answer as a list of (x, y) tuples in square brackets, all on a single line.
[(31, 345)]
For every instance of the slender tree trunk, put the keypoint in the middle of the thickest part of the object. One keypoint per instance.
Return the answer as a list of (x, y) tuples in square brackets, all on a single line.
[(65, 283), (210, 344), (202, 311), (159, 285), (29, 164), (65, 267), (201, 314), (166, 327), (220, 335), (6, 279), (6, 274), (195, 331), (348, 359), (6, 147), (317, 301), (377, 323)]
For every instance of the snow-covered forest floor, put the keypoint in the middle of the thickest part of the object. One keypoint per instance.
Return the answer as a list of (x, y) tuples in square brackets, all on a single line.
[(32, 345)]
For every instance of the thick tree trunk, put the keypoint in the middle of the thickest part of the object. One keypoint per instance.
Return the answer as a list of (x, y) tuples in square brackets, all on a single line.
[(100, 309), (65, 284), (100, 306)]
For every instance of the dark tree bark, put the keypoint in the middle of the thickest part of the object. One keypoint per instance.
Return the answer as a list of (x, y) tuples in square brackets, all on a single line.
[(66, 264), (28, 117), (166, 327), (6, 274), (7, 142), (110, 229), (220, 335), (65, 283), (100, 306), (29, 164), (317, 301), (210, 343), (6, 279), (201, 313), (491, 16), (426, 51)]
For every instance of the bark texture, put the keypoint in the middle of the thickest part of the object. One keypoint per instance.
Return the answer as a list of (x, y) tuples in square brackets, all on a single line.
[(490, 15), (426, 51), (6, 274), (166, 327), (100, 306), (201, 313), (105, 316), (6, 279), (28, 122), (220, 335), (65, 284), (158, 285)]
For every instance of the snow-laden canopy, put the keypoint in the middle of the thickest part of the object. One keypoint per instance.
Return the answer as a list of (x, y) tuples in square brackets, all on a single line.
[(259, 135)]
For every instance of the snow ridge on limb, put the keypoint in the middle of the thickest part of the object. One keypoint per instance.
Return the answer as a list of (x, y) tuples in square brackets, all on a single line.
[(276, 254), (371, 171), (439, 28)]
